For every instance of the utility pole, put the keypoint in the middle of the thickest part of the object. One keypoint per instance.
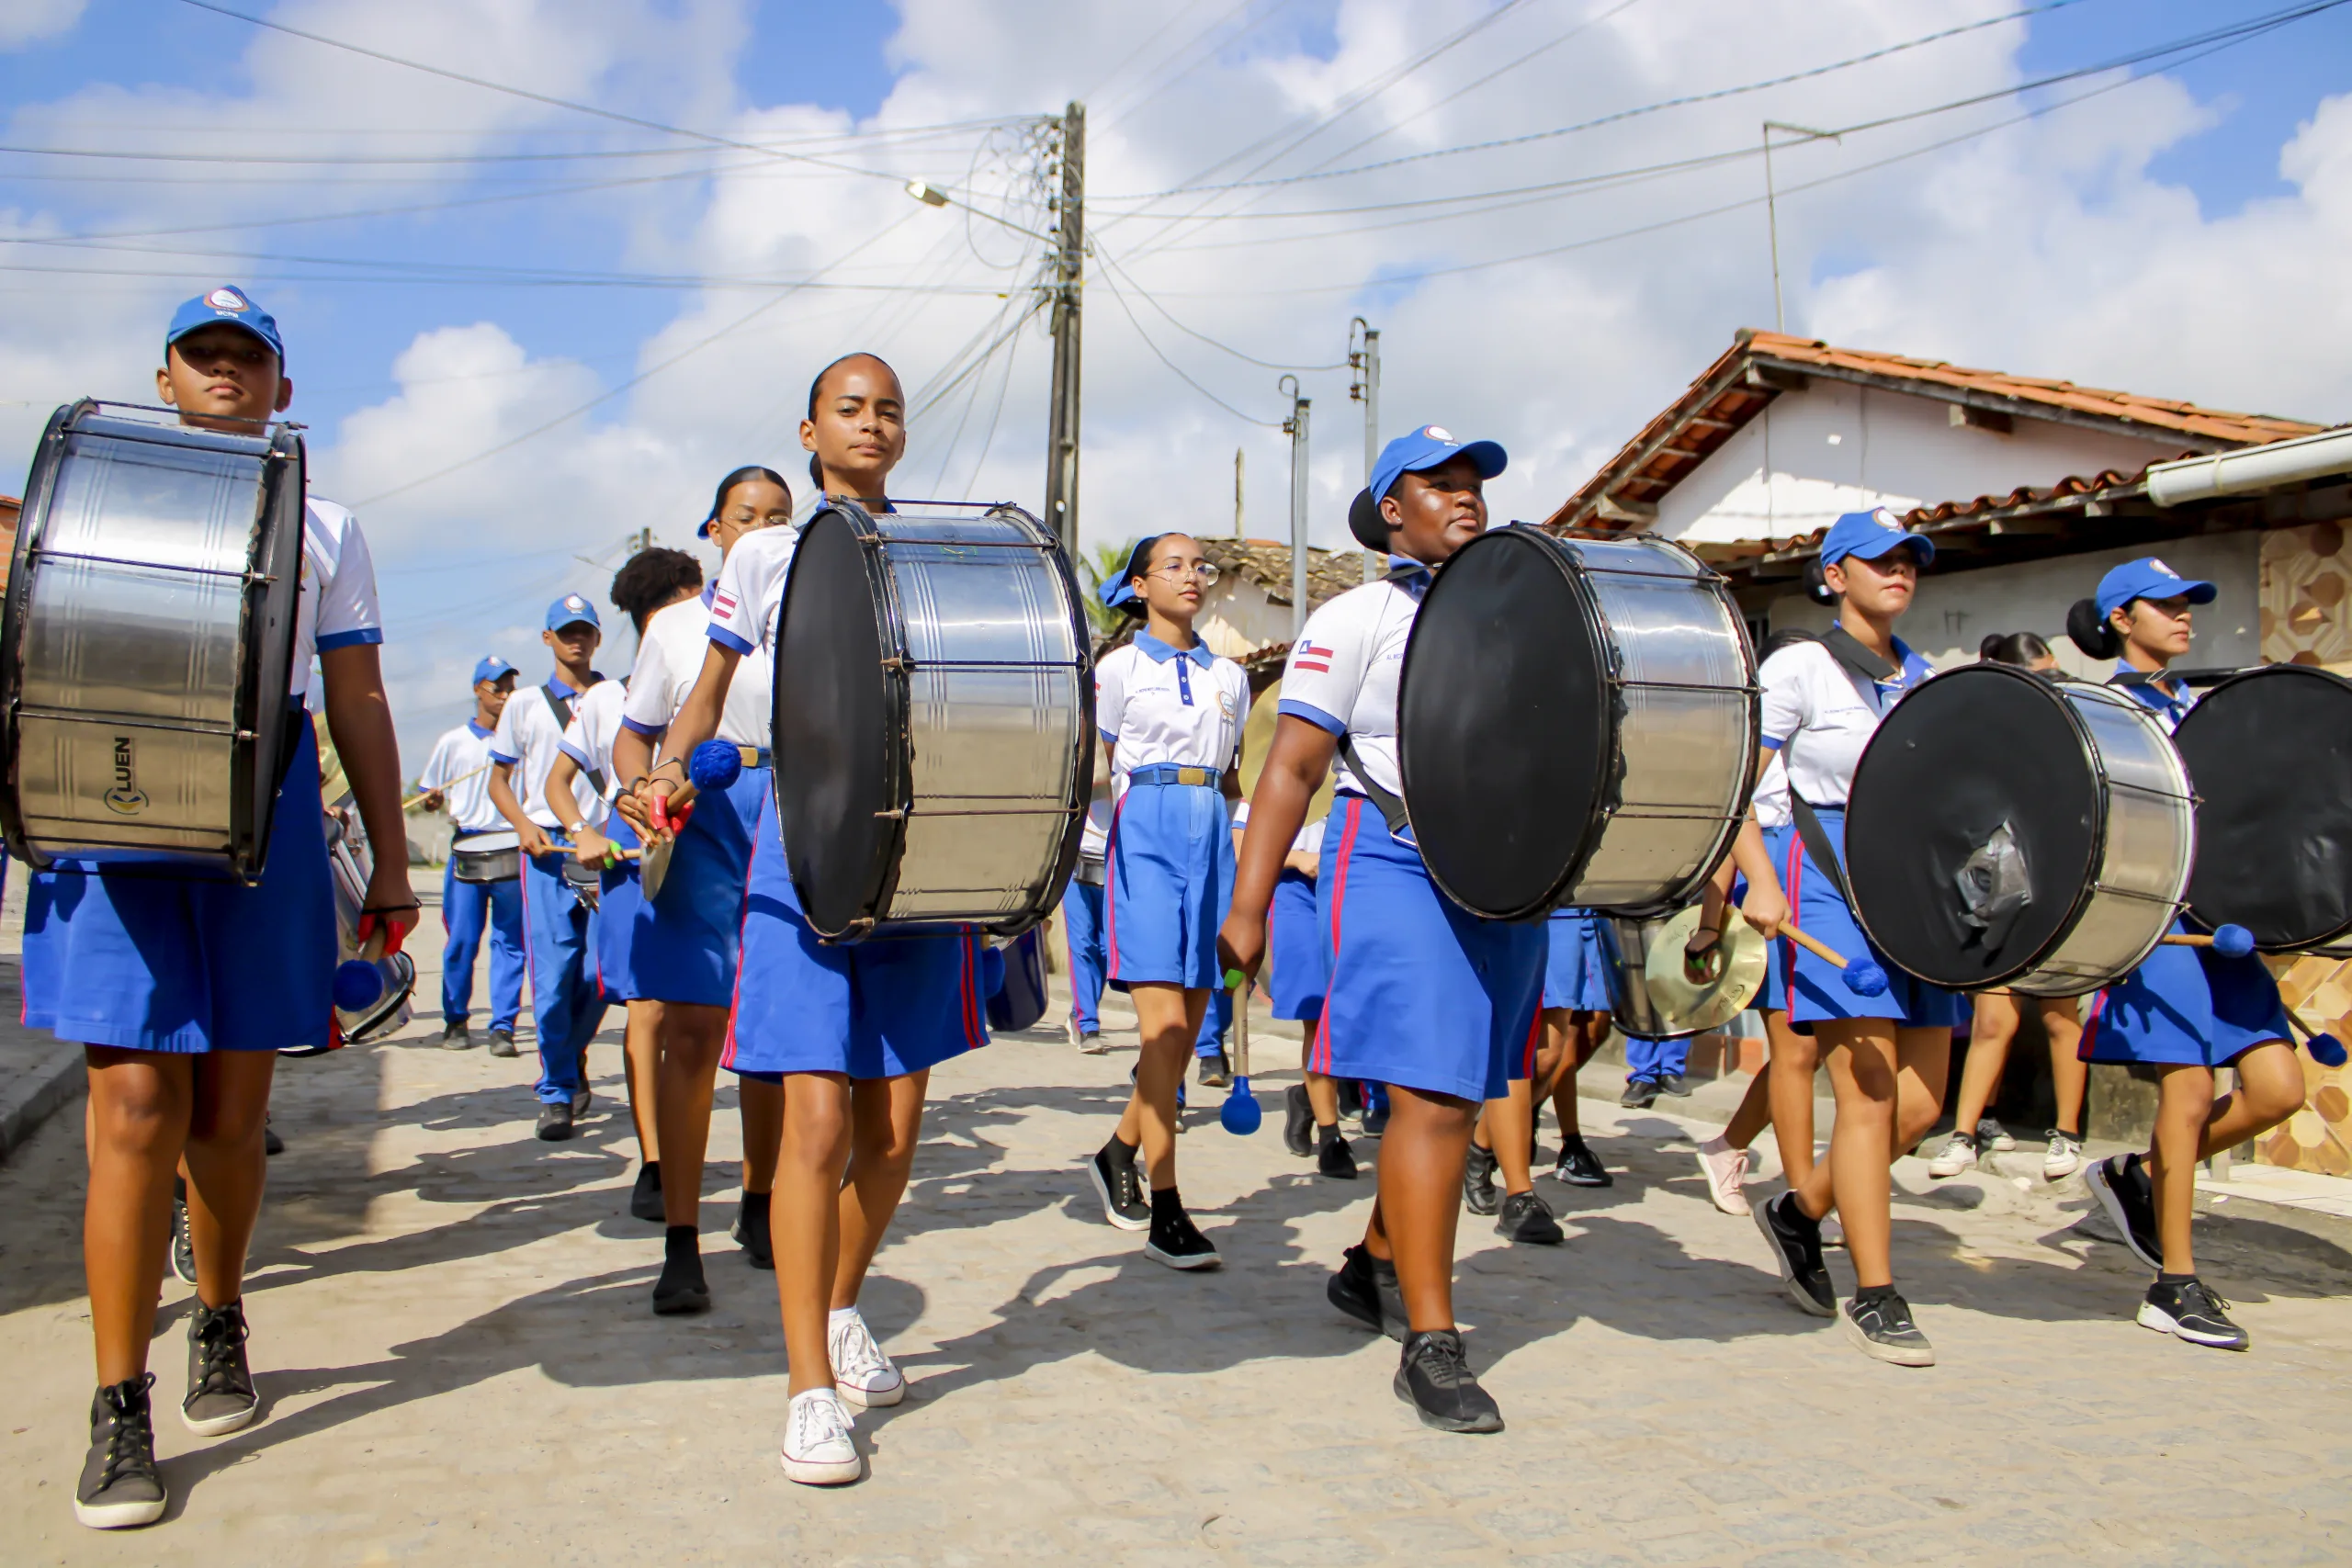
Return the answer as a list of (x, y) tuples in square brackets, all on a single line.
[(1237, 495), (1295, 428), (1069, 256), (1363, 386), (1772, 206)]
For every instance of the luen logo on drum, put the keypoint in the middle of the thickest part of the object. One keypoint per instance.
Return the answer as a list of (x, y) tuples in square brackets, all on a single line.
[(126, 796)]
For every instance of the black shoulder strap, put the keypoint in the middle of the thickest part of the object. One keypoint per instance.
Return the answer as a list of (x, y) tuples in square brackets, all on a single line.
[(1392, 810), (1817, 846), (561, 708), (1864, 669)]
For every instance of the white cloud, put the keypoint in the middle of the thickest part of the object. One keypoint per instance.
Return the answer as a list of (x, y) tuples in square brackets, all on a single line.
[(30, 21)]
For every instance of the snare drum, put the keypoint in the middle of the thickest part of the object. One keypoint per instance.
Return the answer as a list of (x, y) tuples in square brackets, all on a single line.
[(486, 857), (147, 643), (349, 865), (2008, 830), (1577, 724), (934, 720)]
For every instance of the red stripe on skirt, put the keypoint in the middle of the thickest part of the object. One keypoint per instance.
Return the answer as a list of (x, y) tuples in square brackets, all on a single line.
[(1322, 1056)]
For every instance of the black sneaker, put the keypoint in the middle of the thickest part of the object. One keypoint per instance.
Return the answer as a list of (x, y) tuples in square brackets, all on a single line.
[(1298, 1122), (2115, 1181), (1434, 1378), (1333, 1157), (220, 1395), (501, 1043), (1351, 1099), (119, 1488), (456, 1036), (183, 1250), (1526, 1220), (1478, 1181), (1375, 1117), (1674, 1084), (1579, 1166), (554, 1123), (2191, 1310), (580, 1101), (645, 1198), (1640, 1094), (1797, 1252), (1176, 1241), (271, 1145), (1365, 1289), (750, 1231), (1882, 1330), (1216, 1072), (1121, 1189), (681, 1289)]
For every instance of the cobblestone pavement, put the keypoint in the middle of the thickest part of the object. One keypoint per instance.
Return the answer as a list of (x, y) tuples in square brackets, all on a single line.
[(457, 1363)]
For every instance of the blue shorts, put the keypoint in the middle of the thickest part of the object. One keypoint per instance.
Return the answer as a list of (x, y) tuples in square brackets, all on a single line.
[(2186, 1007), (1295, 975), (148, 962), (1812, 989), (1422, 993), (1575, 970), (682, 946), (871, 1009), (1168, 882)]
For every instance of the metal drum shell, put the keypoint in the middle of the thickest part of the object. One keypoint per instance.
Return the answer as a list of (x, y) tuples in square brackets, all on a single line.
[(146, 644), (988, 683)]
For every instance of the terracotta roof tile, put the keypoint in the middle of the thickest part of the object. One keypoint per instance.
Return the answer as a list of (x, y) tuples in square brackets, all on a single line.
[(1330, 573)]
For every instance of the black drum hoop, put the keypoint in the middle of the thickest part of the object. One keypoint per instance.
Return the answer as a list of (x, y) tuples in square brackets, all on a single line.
[(2081, 729), (40, 488)]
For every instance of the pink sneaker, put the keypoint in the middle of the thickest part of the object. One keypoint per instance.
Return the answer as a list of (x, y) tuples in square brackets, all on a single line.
[(1725, 1169)]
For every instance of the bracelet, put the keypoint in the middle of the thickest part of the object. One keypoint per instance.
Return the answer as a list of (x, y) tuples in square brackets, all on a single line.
[(638, 782), (668, 763)]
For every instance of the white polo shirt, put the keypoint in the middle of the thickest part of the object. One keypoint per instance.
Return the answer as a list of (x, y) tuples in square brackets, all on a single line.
[(1815, 715), (530, 738), (463, 751), (748, 594), (669, 660), (1157, 705), (336, 606), (1095, 839), (588, 740), (1344, 669)]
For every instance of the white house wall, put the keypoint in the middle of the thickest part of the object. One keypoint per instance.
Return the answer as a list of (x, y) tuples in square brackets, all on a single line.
[(1835, 447), (1957, 610), (1236, 617)]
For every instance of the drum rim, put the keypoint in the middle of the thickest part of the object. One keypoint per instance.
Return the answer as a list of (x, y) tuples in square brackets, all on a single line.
[(2333, 937), (274, 554)]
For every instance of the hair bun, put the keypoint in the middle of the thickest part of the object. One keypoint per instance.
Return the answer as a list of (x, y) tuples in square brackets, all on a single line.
[(2088, 631), (1366, 524), (1816, 582)]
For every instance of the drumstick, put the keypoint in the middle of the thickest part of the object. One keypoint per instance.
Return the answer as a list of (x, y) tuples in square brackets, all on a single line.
[(2325, 1048), (1864, 979), (2229, 941), (410, 804)]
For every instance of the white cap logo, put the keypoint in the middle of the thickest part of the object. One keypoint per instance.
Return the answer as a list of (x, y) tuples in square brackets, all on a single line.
[(227, 300), (2164, 568), (1437, 432), (1885, 519), (575, 603)]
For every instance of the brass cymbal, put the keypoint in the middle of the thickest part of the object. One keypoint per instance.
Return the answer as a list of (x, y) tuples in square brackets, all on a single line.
[(1701, 999)]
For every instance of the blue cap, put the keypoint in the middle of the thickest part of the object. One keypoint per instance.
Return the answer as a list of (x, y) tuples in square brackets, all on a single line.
[(1870, 534), (1427, 448), (572, 607), (227, 304), (491, 668), (2149, 577)]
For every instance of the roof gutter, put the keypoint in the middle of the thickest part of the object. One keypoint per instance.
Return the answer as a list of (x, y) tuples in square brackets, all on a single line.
[(2252, 468)]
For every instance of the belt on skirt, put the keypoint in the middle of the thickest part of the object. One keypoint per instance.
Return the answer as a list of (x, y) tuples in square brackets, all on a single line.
[(1174, 774)]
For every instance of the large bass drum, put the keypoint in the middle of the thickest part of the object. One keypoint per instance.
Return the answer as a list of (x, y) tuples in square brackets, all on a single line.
[(934, 720), (1576, 724), (147, 643), (2004, 828), (2270, 750)]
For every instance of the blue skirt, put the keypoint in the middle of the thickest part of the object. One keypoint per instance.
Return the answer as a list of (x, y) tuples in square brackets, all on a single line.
[(147, 963), (1168, 876), (1813, 990), (869, 1009), (2186, 1007), (1297, 976), (1576, 972), (1422, 993), (682, 946)]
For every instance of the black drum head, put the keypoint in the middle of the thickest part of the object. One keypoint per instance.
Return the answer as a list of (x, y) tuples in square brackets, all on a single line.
[(1502, 723), (840, 729), (1981, 746), (2269, 755)]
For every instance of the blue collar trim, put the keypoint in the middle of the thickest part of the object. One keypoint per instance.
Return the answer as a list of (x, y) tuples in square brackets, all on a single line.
[(478, 732), (1160, 652), (557, 683)]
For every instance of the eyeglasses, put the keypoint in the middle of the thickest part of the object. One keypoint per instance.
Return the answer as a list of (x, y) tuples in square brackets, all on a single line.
[(1203, 573)]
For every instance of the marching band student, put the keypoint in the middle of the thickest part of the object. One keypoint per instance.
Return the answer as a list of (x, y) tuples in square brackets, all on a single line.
[(647, 583), (1170, 714), (850, 1033), (456, 776), (1575, 1025), (1423, 997), (2186, 1011), (182, 993), (1295, 981), (1887, 1054), (685, 944), (1504, 1139), (559, 930), (1082, 912)]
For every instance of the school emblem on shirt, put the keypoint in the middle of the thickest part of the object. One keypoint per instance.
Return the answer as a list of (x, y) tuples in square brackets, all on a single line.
[(1227, 705)]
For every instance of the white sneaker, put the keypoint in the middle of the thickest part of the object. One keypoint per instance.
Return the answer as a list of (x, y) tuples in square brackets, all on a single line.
[(1957, 1154), (1992, 1135), (861, 1373), (1725, 1169), (818, 1449), (2065, 1158)]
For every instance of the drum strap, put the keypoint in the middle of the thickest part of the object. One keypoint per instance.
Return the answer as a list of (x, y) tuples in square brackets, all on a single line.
[(1817, 846), (1392, 810), (1864, 667), (561, 708)]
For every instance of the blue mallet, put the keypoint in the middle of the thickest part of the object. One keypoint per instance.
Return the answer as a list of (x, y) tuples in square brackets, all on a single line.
[(1241, 1113), (1864, 978), (2227, 941), (2325, 1048), (359, 982), (713, 765)]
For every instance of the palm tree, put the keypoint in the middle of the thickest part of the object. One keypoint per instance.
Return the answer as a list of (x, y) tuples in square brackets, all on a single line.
[(1105, 563)]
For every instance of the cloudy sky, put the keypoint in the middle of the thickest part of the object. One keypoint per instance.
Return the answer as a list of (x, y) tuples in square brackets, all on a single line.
[(532, 313)]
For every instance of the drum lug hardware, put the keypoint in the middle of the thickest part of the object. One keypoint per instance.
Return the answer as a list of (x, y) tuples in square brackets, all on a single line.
[(896, 663), (897, 815)]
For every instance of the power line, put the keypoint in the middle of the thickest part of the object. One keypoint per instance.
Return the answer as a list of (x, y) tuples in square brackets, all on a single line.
[(1121, 299), (1111, 262)]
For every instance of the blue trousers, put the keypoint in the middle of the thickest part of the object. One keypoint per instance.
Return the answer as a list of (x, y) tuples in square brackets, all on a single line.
[(1082, 923), (468, 908), (566, 1002), (1653, 1059)]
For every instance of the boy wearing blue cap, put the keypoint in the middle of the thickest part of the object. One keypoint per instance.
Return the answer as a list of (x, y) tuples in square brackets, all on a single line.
[(1887, 1054), (559, 930), (473, 900), (182, 993), (2186, 1011)]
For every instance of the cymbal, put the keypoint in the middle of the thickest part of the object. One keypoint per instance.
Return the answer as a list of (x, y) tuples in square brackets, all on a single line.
[(1698, 1000)]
